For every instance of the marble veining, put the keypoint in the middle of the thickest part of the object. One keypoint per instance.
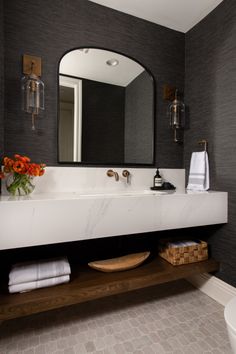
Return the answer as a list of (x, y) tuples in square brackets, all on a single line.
[(62, 219), (72, 204)]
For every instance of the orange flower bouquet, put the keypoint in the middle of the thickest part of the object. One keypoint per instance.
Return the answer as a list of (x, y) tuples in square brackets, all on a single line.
[(20, 173)]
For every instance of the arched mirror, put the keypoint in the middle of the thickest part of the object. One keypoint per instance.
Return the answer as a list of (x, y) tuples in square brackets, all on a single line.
[(106, 109)]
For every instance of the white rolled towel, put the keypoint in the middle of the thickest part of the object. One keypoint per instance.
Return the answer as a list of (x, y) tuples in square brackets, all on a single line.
[(23, 287), (33, 271)]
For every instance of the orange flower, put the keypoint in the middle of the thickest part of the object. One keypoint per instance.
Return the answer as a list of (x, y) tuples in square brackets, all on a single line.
[(5, 160), (35, 170), (22, 158), (31, 170), (20, 167), (41, 172), (8, 164)]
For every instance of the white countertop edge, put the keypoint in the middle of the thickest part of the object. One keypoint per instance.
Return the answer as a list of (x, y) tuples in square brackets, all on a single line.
[(55, 196)]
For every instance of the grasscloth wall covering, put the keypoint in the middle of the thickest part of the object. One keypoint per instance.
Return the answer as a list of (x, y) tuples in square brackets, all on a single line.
[(210, 93), (139, 131), (210, 86), (48, 29), (103, 111)]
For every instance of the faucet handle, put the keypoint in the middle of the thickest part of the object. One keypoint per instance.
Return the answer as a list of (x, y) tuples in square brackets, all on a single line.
[(126, 174), (111, 173)]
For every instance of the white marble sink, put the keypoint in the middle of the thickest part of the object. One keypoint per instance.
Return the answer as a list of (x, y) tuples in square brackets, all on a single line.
[(83, 195), (73, 204), (62, 217), (131, 193)]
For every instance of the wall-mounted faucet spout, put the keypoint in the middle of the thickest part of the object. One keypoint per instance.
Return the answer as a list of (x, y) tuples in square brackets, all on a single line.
[(126, 174), (111, 173)]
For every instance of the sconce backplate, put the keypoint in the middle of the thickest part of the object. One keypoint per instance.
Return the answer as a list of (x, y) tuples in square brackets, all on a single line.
[(31, 64), (169, 92)]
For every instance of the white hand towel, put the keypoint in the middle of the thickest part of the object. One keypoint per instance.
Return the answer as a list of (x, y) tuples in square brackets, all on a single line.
[(33, 271), (199, 172), (19, 288)]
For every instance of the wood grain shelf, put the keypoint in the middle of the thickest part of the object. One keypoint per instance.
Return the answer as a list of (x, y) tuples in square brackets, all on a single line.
[(87, 284)]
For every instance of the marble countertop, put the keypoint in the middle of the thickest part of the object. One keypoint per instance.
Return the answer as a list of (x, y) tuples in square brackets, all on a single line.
[(84, 195), (48, 218)]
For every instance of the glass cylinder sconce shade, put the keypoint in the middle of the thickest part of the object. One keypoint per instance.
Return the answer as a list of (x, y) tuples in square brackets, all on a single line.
[(32, 94), (32, 88), (176, 112)]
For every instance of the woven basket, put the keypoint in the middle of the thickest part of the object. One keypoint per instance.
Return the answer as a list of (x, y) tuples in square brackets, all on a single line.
[(184, 255)]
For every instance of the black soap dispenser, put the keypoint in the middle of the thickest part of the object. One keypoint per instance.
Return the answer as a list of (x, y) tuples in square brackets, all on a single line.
[(157, 180)]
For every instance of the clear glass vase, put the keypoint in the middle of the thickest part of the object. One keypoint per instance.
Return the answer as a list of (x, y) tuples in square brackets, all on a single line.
[(17, 184)]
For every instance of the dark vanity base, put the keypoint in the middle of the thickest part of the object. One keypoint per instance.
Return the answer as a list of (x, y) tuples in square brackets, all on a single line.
[(87, 284)]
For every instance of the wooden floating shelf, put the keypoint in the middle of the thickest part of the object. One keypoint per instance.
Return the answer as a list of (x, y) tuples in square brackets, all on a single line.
[(87, 284)]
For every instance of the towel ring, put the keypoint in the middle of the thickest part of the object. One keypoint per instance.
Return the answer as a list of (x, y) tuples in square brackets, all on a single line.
[(204, 143)]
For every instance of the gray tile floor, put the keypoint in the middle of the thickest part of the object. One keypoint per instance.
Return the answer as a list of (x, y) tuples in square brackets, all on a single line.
[(169, 318)]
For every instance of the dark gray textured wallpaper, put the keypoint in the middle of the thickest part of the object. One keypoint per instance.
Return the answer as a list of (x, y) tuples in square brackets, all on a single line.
[(139, 131), (1, 80), (103, 110), (62, 25), (210, 93), (210, 85)]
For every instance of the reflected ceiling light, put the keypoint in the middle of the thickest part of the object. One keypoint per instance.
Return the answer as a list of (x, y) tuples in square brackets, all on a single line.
[(112, 62), (84, 50)]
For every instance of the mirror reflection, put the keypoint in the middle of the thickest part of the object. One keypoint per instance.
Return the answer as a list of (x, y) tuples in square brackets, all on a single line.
[(105, 109)]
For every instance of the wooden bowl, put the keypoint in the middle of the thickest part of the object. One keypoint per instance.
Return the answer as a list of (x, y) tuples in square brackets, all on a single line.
[(119, 264)]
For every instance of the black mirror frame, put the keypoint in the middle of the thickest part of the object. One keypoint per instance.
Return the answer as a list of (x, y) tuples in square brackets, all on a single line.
[(83, 164)]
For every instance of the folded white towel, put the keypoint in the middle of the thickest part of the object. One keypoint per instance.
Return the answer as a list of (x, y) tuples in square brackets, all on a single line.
[(199, 172), (23, 287), (33, 271)]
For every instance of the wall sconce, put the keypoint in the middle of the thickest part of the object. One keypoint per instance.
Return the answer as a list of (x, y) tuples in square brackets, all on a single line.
[(32, 87), (176, 113)]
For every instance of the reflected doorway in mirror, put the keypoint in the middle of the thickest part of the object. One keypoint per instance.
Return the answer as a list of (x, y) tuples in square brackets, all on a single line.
[(70, 124)]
